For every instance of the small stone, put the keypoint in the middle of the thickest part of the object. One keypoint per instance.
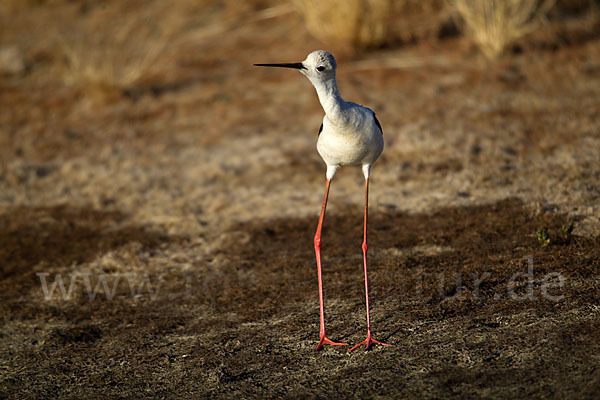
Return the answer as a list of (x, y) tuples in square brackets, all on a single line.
[(12, 61)]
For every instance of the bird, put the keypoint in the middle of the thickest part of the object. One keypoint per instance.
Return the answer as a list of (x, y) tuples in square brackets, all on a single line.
[(350, 134)]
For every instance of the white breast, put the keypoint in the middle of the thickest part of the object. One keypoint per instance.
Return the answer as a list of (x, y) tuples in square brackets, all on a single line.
[(355, 140)]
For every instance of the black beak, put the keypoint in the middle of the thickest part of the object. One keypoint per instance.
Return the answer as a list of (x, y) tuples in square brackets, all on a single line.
[(283, 65)]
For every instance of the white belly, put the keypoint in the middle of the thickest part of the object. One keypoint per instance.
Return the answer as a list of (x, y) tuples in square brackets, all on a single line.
[(340, 147)]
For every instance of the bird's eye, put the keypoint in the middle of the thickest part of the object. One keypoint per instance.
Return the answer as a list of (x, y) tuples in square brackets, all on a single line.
[(320, 68)]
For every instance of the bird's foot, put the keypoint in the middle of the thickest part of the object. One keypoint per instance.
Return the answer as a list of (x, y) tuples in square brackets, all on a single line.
[(326, 340), (369, 341)]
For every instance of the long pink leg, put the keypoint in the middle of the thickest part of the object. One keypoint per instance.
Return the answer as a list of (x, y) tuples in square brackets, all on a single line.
[(369, 340), (323, 338)]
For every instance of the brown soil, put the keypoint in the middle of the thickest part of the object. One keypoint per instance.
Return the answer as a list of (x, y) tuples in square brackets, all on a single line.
[(195, 195)]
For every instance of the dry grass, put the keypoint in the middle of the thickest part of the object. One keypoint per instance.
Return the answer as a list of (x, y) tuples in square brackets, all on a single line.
[(494, 24), (143, 37), (118, 54), (356, 23)]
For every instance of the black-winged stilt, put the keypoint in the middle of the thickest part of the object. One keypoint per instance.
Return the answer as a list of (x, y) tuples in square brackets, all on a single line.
[(349, 135)]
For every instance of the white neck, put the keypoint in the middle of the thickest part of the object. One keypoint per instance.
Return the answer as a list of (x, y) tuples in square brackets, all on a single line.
[(330, 98)]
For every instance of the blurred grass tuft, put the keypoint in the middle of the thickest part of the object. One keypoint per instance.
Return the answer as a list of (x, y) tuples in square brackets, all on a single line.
[(117, 48), (359, 24), (495, 24)]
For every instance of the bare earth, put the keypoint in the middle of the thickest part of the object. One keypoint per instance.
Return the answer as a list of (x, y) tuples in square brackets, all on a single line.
[(195, 195)]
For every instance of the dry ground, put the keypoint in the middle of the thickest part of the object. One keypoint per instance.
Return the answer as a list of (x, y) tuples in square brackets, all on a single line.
[(201, 182)]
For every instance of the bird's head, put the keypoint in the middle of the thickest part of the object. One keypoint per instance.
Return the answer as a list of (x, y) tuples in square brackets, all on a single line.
[(319, 65)]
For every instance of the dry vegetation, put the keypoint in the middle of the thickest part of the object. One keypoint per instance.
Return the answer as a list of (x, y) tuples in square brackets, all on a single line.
[(494, 24), (356, 23), (117, 47), (197, 173)]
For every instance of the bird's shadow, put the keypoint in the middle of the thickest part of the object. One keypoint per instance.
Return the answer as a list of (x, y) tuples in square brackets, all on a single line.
[(414, 261), (62, 235)]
